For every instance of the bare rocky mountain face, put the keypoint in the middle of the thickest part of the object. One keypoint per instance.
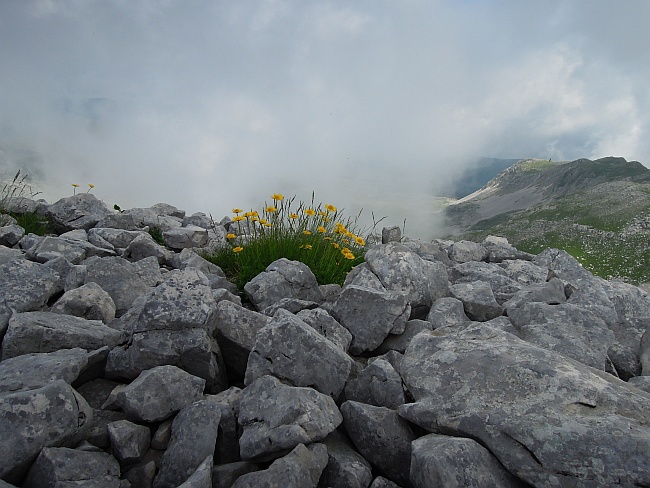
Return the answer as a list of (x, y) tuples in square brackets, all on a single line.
[(444, 363)]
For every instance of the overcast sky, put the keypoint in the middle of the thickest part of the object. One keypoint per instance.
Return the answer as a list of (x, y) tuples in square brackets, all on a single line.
[(208, 105)]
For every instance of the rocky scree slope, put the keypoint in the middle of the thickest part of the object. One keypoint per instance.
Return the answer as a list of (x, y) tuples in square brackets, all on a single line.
[(127, 363)]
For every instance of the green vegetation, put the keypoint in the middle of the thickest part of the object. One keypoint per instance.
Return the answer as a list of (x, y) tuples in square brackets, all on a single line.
[(607, 229), (536, 164), (156, 233), (317, 235), (19, 187)]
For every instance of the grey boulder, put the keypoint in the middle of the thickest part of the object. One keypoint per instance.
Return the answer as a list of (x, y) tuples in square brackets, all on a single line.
[(88, 301), (478, 300)]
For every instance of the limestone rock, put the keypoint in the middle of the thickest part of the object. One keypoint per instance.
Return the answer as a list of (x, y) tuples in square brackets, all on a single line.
[(193, 438), (465, 251), (531, 407), (51, 416), (346, 468), (276, 418), (478, 300), (301, 468), (370, 315), (129, 441), (159, 393), (401, 270), (88, 301), (283, 279), (439, 460), (327, 326), (378, 384), (291, 350), (447, 312), (31, 332), (186, 237), (60, 466), (382, 437), (81, 211)]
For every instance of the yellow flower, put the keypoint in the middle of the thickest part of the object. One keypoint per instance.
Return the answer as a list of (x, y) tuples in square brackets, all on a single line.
[(237, 210), (310, 212), (306, 246), (327, 238), (336, 245), (325, 219), (263, 221), (266, 224), (254, 213), (255, 219), (359, 240), (293, 216), (330, 208), (75, 185), (239, 218), (345, 250), (322, 229), (231, 236), (321, 213), (237, 249), (271, 209), (277, 196), (348, 255), (306, 232)]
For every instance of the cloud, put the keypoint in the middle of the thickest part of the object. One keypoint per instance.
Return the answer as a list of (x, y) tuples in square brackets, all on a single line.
[(374, 104)]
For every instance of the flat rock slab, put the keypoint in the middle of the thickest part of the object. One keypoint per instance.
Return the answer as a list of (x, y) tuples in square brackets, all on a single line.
[(478, 300), (534, 409), (31, 332), (32, 371)]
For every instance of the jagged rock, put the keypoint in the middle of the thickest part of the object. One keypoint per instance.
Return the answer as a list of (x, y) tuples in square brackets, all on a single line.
[(391, 234), (327, 326), (81, 211), (399, 342), (33, 371), (381, 482), (532, 408), (465, 251), (564, 266), (624, 351), (185, 237), (120, 279), (11, 234), (593, 297), (144, 246), (378, 384), (198, 219), (30, 332), (293, 305), (644, 352), (54, 415), (640, 382), (447, 312), (630, 301), (88, 301), (478, 300), (382, 436), (129, 441), (49, 248), (431, 251), (503, 287), (159, 393), (276, 418), (346, 468), (370, 315), (401, 270), (439, 460), (293, 351), (192, 350), (227, 448), (225, 475), (141, 474), (283, 279), (202, 477), (524, 272), (163, 434), (499, 249), (9, 254), (60, 466), (301, 468), (551, 293), (151, 217), (24, 286), (148, 270), (567, 329), (193, 439), (361, 275), (235, 330), (112, 238)]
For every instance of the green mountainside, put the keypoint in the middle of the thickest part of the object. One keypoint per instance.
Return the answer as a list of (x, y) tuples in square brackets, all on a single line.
[(599, 211)]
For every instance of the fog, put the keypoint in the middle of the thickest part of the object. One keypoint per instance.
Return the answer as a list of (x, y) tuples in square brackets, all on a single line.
[(376, 104)]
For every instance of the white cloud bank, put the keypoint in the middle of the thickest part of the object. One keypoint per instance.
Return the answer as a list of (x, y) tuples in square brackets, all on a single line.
[(210, 105)]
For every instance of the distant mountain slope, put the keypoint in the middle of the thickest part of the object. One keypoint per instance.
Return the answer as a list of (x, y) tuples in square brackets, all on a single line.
[(479, 174), (599, 211)]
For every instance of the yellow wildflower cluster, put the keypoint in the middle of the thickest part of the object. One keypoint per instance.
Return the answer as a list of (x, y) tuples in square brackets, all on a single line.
[(310, 226)]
